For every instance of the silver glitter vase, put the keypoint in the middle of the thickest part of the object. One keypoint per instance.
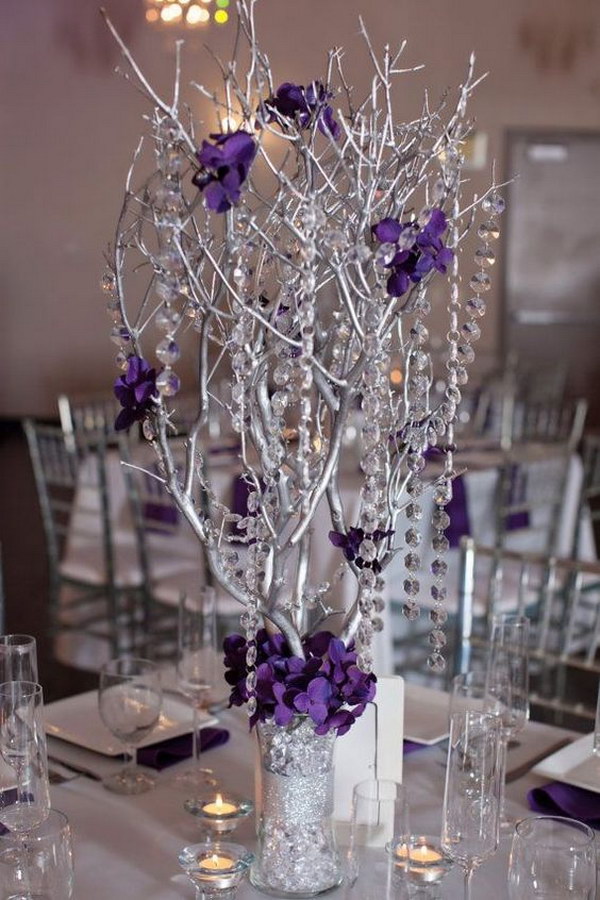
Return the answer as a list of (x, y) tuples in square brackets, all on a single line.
[(297, 854)]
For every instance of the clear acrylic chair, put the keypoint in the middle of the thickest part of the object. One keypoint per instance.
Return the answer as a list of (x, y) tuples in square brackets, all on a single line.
[(589, 497), (565, 617), (87, 596)]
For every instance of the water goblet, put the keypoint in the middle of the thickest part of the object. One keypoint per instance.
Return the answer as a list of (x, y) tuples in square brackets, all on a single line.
[(552, 858), (470, 829), (197, 672), (41, 867), (507, 682), (18, 658), (129, 701)]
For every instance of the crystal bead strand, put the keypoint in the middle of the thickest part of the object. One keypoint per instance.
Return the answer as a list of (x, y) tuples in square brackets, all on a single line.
[(168, 207), (119, 334)]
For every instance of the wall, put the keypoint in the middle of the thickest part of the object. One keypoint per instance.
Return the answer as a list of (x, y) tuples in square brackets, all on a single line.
[(68, 127)]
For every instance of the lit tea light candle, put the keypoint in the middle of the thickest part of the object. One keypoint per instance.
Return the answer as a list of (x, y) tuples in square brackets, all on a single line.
[(425, 863), (217, 863), (219, 807)]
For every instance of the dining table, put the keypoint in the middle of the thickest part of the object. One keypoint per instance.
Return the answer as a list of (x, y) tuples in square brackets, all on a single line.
[(128, 847)]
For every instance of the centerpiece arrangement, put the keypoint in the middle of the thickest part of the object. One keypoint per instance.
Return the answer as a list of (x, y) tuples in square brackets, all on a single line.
[(296, 242)]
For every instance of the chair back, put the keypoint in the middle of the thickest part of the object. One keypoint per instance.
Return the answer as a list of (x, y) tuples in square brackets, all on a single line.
[(589, 497), (88, 418), (561, 597)]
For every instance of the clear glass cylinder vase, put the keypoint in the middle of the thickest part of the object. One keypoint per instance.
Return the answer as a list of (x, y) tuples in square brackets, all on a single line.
[(297, 854)]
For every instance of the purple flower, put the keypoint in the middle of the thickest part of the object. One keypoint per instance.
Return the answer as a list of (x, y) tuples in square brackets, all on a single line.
[(135, 391), (428, 251), (350, 544), (326, 684), (224, 168), (294, 101)]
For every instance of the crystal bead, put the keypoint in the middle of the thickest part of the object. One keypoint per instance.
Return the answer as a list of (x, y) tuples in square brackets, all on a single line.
[(251, 655), (424, 216), (364, 632), (148, 430), (438, 615), (471, 331), (367, 550), (242, 276), (493, 203), (367, 579), (172, 262), (371, 434), (372, 345), (359, 254), (251, 705), (308, 251), (167, 290), (378, 604), (480, 282), (466, 352), (440, 519), (279, 402), (414, 487), (282, 373), (485, 257), (442, 493), (365, 661), (370, 464), (377, 623), (408, 237), (411, 612), (313, 216), (167, 318), (237, 392), (439, 568), (335, 239), (365, 604), (462, 376), (168, 351), (419, 359), (384, 254), (453, 393), (476, 306), (168, 383), (411, 587), (371, 405), (438, 191), (113, 310), (415, 462), (437, 638), (489, 230), (122, 360), (414, 512), (120, 336), (436, 662), (241, 363), (412, 561), (440, 543), (412, 537), (419, 333), (108, 283), (418, 385)]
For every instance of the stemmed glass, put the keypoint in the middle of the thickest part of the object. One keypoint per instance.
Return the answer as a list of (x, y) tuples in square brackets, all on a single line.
[(471, 816), (18, 658), (197, 671), (552, 858), (43, 868), (130, 700), (507, 682), (596, 745)]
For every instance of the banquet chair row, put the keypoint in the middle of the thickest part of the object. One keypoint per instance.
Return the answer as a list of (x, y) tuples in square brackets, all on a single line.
[(564, 613)]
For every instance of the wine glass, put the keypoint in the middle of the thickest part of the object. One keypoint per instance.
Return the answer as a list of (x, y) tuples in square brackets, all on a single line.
[(596, 745), (507, 682), (43, 867), (23, 748), (130, 700), (197, 671), (470, 830), (18, 658), (552, 858)]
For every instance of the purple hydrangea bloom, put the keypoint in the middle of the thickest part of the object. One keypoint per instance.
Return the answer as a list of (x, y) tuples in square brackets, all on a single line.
[(326, 684), (427, 253), (135, 391), (351, 541), (224, 168), (294, 101)]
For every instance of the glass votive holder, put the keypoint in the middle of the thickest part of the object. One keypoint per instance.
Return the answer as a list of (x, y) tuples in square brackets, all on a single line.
[(216, 868), (422, 863), (219, 811)]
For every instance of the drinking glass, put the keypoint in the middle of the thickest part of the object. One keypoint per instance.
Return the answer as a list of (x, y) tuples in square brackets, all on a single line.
[(130, 700), (18, 658), (378, 841), (23, 749), (507, 681), (469, 692), (596, 747), (471, 815), (552, 859), (197, 670), (41, 868)]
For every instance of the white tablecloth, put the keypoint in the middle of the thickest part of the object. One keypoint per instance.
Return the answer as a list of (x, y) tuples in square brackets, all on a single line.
[(127, 847)]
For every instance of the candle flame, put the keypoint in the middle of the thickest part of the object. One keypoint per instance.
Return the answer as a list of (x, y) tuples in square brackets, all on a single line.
[(219, 802)]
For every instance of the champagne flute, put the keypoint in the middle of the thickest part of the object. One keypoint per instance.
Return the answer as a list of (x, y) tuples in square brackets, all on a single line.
[(470, 830), (197, 671), (129, 701), (552, 858), (18, 658), (507, 681)]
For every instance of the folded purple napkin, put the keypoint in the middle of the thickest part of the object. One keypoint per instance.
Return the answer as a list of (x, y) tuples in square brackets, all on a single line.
[(167, 753), (458, 511), (558, 799)]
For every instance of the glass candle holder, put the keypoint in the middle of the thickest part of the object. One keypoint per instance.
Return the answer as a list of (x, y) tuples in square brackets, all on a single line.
[(220, 811), (216, 868), (423, 860)]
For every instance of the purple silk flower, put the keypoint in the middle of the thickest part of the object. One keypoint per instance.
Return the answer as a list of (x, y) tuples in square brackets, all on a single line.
[(351, 542), (224, 168), (426, 253), (135, 391), (294, 101), (326, 684)]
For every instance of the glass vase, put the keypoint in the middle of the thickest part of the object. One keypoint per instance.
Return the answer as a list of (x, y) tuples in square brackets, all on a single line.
[(297, 854)]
